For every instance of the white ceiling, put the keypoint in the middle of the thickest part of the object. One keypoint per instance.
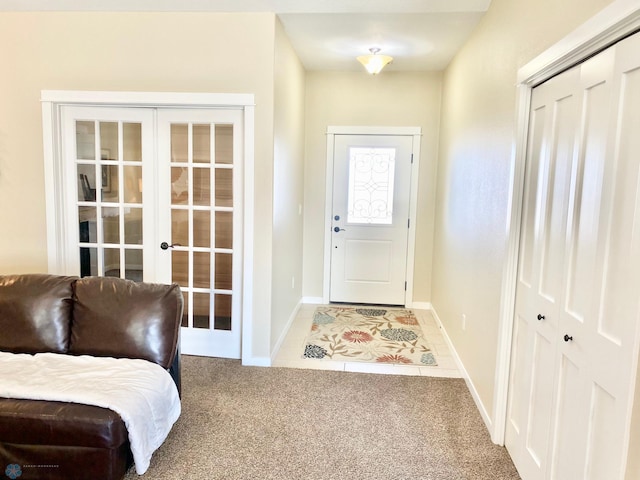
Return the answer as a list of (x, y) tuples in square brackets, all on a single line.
[(421, 35)]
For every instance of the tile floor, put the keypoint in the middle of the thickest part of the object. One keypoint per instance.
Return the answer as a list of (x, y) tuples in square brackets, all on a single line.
[(292, 348)]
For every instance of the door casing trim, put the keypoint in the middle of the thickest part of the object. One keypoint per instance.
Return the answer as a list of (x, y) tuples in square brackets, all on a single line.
[(332, 131)]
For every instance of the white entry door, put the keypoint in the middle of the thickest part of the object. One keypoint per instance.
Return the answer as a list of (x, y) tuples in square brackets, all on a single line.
[(370, 218), (154, 195)]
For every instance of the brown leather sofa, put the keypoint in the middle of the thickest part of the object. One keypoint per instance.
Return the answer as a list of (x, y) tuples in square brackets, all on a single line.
[(80, 316)]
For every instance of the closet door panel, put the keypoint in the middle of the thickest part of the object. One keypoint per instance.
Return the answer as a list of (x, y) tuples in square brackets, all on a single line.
[(549, 167), (613, 325), (569, 439), (588, 183)]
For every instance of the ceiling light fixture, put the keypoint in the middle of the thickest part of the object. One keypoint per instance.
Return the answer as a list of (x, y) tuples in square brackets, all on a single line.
[(374, 63)]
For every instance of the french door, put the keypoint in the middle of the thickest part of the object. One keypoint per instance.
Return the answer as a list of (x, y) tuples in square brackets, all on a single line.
[(154, 195), (200, 244)]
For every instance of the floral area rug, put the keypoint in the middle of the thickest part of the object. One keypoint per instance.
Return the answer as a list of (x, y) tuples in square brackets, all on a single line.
[(363, 334)]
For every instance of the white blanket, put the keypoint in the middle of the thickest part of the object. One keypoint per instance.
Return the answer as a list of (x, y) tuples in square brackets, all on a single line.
[(141, 392)]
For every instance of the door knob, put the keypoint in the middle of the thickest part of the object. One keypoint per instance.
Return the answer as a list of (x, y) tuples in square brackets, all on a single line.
[(165, 245), (567, 338), (540, 316), (338, 229)]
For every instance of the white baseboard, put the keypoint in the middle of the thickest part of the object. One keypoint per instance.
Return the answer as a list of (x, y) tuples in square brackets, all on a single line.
[(472, 388), (285, 330), (256, 362), (313, 300), (420, 305)]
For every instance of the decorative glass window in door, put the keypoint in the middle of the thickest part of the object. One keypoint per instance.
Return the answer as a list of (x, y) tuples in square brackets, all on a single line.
[(109, 185), (202, 222), (370, 197)]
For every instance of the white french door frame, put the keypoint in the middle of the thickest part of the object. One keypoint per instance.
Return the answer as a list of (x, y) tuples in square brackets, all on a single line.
[(332, 131), (52, 102), (613, 23)]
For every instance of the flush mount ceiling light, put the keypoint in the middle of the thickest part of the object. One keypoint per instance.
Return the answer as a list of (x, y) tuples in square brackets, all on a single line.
[(374, 63)]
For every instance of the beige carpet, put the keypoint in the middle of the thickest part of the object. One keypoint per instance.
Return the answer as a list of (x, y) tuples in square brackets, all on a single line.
[(288, 424)]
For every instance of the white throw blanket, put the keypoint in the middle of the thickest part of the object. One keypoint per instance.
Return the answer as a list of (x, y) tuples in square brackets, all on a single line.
[(141, 392)]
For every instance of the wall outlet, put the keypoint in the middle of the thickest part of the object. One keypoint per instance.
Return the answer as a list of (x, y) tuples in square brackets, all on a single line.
[(293, 282), (464, 322)]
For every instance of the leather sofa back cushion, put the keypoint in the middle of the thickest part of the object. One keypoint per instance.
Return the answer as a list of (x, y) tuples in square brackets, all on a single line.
[(113, 317), (35, 313)]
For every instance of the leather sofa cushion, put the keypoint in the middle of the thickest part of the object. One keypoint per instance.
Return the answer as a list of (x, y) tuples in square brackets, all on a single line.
[(35, 313), (37, 422), (113, 317)]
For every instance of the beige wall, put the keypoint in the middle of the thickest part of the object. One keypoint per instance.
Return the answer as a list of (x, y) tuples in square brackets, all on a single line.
[(288, 177), (359, 99), (478, 108), (185, 52)]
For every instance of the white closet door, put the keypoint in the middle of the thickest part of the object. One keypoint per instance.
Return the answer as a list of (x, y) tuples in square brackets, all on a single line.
[(554, 114), (573, 371), (601, 308)]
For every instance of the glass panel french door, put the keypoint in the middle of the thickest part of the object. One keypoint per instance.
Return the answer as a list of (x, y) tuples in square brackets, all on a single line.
[(109, 155), (199, 198), (154, 195)]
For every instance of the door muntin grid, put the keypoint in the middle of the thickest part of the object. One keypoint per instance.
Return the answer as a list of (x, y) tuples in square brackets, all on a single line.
[(108, 171), (202, 221)]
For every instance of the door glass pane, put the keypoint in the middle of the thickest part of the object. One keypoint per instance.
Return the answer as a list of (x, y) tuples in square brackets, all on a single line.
[(222, 319), (224, 187), (88, 261), (109, 183), (180, 268), (86, 182), (86, 140), (224, 144), (179, 186), (179, 143), (223, 271), (371, 174), (111, 225), (111, 266), (222, 306), (202, 228), (201, 310), (224, 229), (87, 222), (202, 144), (180, 227), (202, 269), (109, 140), (202, 186), (133, 184), (133, 264), (133, 226), (132, 142), (185, 310)]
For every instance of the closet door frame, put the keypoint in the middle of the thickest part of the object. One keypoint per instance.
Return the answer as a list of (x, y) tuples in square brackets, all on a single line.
[(612, 24)]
